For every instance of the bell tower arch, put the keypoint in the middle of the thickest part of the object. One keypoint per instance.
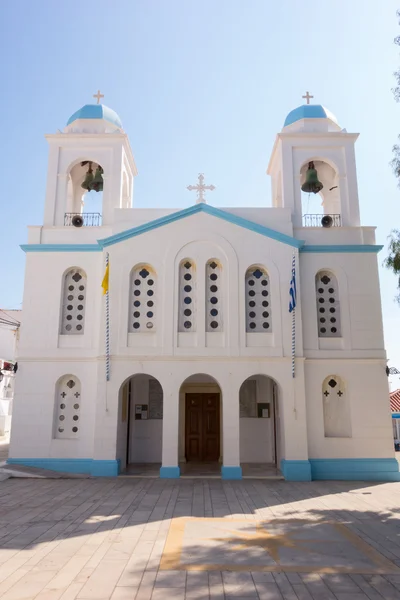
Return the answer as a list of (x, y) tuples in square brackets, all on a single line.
[(313, 155), (91, 154)]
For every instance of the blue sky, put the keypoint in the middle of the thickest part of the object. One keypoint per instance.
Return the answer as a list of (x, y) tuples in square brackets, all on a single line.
[(199, 86)]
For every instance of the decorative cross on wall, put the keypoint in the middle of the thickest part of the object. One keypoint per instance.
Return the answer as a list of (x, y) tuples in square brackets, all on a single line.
[(307, 97), (200, 188), (98, 96)]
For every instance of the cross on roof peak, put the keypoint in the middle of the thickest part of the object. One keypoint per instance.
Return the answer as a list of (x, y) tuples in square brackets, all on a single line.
[(307, 97), (98, 96), (200, 189)]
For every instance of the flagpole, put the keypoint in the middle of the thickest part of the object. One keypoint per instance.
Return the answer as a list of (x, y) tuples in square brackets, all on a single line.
[(293, 343), (107, 327), (292, 309)]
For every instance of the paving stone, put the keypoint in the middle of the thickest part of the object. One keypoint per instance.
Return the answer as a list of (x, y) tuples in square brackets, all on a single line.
[(77, 531), (171, 579), (268, 591), (238, 584), (173, 593)]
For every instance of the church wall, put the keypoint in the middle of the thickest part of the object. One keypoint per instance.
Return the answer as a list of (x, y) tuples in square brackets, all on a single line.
[(33, 435), (42, 305), (360, 306), (237, 250), (366, 386)]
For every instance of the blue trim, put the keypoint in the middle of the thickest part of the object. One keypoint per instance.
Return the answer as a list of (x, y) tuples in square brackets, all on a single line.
[(296, 470), (97, 468), (309, 111), (355, 469), (231, 472), (104, 468), (96, 111), (343, 248), (61, 248), (170, 472), (395, 415), (192, 210)]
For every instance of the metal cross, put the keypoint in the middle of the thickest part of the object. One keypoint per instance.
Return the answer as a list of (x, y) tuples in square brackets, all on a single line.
[(98, 96), (307, 97), (200, 188)]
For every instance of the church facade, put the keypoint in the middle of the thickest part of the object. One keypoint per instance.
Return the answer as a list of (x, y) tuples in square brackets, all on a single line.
[(191, 356)]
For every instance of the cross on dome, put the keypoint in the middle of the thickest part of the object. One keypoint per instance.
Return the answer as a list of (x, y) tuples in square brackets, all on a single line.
[(307, 97), (98, 96), (200, 188)]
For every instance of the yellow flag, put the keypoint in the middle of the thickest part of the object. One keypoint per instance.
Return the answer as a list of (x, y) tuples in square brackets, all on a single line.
[(104, 283)]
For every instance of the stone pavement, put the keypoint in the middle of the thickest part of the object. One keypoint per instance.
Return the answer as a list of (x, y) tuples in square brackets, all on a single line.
[(151, 539)]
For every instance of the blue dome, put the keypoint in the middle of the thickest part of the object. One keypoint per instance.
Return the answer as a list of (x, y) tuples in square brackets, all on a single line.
[(309, 111), (96, 111)]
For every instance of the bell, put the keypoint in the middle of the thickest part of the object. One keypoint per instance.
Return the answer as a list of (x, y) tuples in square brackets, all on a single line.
[(97, 183), (87, 184), (311, 184)]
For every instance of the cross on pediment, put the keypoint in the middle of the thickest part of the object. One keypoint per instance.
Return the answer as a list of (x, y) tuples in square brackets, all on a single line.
[(200, 188)]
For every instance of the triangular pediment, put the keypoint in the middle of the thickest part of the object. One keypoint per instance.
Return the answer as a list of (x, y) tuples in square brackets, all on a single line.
[(210, 210)]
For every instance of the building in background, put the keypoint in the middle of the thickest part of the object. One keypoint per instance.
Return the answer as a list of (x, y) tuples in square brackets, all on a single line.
[(10, 321), (395, 408)]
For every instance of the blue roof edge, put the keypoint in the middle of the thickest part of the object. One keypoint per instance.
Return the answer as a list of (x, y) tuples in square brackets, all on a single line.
[(192, 210), (60, 248), (349, 248)]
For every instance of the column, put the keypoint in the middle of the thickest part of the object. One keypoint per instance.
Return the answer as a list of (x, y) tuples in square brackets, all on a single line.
[(295, 465), (231, 468), (170, 468)]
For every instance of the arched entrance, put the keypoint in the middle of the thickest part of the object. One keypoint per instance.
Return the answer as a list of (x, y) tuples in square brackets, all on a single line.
[(259, 426), (139, 432), (200, 426)]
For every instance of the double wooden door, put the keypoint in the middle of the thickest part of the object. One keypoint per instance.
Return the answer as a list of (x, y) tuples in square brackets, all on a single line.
[(202, 427)]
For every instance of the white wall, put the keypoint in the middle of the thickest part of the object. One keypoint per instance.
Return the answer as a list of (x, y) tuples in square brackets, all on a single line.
[(45, 356)]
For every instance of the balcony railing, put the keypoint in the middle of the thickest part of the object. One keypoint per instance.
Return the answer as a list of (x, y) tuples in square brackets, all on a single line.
[(82, 219), (322, 221)]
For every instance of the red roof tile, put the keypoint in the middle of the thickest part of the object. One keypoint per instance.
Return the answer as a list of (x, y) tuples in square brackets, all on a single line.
[(395, 401)]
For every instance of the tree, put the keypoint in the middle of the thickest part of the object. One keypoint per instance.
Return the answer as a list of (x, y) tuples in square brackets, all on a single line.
[(392, 262)]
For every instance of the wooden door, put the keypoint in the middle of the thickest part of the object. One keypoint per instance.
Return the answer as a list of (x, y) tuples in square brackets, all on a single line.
[(202, 435)]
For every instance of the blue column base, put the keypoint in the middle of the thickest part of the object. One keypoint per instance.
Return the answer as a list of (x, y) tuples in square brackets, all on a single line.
[(231, 472), (355, 469), (170, 472), (296, 470), (104, 468), (97, 468)]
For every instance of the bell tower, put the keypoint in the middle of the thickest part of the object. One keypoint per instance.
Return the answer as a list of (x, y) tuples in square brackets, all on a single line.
[(313, 159), (91, 154)]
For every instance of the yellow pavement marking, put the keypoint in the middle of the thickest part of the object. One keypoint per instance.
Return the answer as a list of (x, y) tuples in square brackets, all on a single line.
[(271, 543)]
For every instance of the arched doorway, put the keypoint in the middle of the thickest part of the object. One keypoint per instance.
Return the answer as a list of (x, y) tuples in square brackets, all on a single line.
[(200, 426), (259, 426), (139, 432)]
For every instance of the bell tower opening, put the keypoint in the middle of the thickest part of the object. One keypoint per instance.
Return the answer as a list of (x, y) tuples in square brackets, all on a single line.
[(85, 194), (320, 195)]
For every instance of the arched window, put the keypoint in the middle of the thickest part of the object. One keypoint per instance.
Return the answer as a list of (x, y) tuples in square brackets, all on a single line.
[(67, 407), (213, 296), (187, 296), (142, 306), (73, 302), (336, 408), (258, 301), (328, 306)]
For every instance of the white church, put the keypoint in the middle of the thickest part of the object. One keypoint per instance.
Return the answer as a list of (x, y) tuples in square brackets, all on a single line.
[(160, 341)]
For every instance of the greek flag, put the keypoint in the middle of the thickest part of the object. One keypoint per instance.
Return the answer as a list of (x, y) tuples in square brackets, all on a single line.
[(292, 289)]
